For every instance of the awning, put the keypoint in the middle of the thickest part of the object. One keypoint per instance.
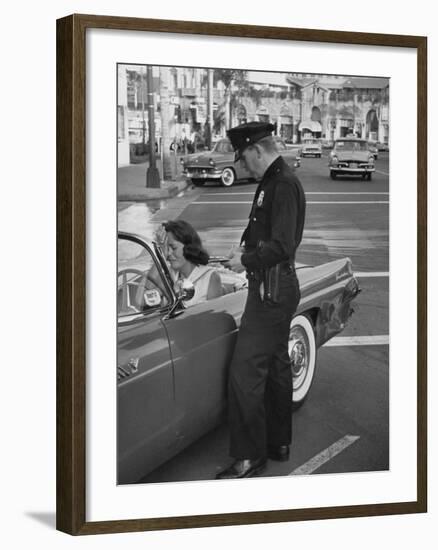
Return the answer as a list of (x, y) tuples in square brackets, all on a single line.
[(312, 125)]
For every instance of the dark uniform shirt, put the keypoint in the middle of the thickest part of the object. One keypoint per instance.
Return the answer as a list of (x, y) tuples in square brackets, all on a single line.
[(276, 222)]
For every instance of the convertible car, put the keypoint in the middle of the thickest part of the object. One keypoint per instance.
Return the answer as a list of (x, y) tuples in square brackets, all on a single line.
[(172, 360), (219, 164)]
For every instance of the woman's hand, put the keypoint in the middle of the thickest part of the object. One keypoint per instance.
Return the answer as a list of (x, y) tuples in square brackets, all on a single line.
[(161, 238)]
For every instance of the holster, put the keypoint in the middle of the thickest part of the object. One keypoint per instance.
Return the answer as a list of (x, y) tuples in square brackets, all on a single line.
[(271, 284)]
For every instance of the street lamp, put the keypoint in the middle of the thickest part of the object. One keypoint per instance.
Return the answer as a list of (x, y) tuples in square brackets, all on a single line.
[(152, 175)]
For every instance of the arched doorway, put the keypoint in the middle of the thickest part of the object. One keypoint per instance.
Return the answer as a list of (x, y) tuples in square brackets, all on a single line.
[(316, 114)]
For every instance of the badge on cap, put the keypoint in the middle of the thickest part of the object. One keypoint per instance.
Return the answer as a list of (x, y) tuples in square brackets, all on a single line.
[(260, 198)]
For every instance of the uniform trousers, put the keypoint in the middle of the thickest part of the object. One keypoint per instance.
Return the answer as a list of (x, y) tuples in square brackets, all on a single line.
[(260, 379)]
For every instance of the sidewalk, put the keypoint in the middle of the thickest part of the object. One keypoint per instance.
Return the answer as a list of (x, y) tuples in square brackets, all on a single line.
[(131, 184)]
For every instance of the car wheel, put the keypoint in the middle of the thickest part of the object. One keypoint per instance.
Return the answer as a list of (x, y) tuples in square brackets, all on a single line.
[(369, 176), (302, 353), (198, 182), (228, 177), (333, 175)]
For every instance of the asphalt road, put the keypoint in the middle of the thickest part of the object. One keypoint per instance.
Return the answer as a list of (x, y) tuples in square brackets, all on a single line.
[(344, 424)]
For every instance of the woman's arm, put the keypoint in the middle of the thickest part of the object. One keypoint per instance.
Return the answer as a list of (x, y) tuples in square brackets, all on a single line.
[(215, 286), (152, 276)]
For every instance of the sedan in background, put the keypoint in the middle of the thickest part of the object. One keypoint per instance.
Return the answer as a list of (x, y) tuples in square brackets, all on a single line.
[(351, 157), (372, 146), (382, 146), (220, 165), (311, 148)]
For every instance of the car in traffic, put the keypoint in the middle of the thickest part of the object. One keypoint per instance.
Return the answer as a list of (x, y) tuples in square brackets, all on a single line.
[(327, 143), (381, 146), (172, 360), (351, 157), (372, 146), (220, 165), (311, 148)]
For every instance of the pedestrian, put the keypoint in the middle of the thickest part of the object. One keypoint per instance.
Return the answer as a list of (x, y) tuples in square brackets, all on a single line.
[(260, 377)]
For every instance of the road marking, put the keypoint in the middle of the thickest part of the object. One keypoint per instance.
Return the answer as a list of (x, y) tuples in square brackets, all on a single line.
[(377, 340), (308, 193), (308, 202), (324, 456), (365, 274), (381, 172), (347, 202)]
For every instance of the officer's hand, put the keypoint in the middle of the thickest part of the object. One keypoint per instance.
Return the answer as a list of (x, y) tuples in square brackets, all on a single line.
[(235, 263)]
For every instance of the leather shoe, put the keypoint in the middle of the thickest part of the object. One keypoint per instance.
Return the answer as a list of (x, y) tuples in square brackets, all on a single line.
[(280, 453), (243, 468)]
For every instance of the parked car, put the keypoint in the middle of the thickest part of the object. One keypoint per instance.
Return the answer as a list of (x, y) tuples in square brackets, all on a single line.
[(311, 147), (327, 143), (372, 146), (382, 146), (351, 157), (219, 164), (173, 361)]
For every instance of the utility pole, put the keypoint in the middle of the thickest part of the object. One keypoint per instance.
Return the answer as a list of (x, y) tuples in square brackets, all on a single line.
[(152, 175)]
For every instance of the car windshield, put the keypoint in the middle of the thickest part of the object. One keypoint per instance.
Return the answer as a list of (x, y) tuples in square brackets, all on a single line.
[(311, 142), (351, 145), (223, 146)]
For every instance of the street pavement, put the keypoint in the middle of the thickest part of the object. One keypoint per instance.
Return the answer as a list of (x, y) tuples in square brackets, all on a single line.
[(344, 424), (132, 182)]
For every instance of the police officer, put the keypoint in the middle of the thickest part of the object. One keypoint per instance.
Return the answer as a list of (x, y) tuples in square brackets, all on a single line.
[(260, 378)]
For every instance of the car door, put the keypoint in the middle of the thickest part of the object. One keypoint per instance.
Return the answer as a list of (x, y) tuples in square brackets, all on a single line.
[(202, 342), (146, 422)]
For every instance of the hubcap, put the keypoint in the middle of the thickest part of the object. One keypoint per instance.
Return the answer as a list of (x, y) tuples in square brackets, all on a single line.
[(299, 355), (227, 177)]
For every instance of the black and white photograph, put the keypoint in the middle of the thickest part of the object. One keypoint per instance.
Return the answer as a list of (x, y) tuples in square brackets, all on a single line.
[(252, 274)]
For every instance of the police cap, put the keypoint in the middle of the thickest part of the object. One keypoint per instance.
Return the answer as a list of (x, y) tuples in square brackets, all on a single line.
[(247, 134)]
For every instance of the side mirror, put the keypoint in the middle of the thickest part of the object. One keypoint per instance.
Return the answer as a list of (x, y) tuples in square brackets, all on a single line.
[(185, 293)]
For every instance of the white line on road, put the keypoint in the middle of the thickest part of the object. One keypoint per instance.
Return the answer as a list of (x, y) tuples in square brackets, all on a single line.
[(324, 456), (381, 172), (377, 340), (308, 202), (365, 274), (308, 193), (347, 202)]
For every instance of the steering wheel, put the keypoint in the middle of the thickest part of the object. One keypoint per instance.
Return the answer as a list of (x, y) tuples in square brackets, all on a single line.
[(123, 287)]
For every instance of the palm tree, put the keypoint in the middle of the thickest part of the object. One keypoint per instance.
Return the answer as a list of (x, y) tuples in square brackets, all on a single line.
[(230, 77)]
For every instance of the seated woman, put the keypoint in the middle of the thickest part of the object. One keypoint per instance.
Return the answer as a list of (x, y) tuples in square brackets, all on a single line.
[(188, 260)]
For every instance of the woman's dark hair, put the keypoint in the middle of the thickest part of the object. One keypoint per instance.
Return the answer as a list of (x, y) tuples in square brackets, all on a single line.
[(184, 233)]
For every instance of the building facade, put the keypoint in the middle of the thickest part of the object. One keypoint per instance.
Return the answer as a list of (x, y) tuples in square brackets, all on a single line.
[(299, 105)]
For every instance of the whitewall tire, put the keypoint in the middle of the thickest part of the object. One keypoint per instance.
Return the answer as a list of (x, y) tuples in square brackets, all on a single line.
[(228, 177), (302, 353)]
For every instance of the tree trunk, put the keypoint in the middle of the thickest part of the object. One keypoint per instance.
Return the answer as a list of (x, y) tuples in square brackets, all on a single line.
[(227, 108)]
